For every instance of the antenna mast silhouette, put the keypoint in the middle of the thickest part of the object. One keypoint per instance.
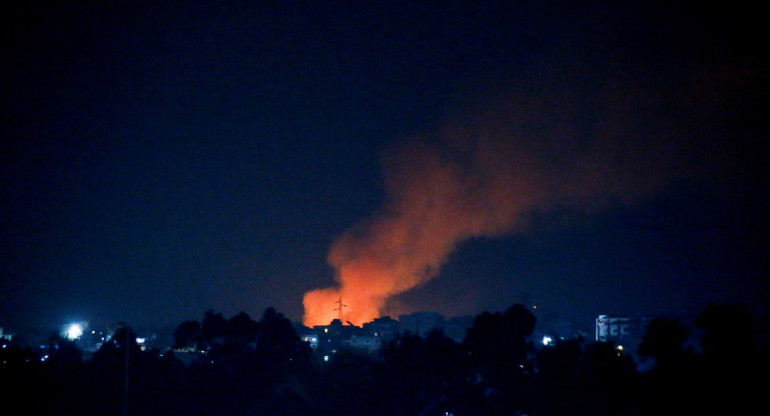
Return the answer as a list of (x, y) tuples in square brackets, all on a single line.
[(339, 308)]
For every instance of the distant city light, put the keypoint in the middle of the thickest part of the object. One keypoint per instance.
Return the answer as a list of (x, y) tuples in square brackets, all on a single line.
[(547, 340), (73, 331)]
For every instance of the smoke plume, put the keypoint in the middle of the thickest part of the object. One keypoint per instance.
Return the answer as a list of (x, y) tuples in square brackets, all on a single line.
[(577, 141)]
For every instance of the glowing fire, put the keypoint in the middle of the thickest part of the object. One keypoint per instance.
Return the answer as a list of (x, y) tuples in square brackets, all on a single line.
[(484, 175), (408, 242), (321, 307)]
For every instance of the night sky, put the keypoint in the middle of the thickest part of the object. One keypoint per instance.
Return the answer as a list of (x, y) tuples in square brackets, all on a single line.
[(160, 160)]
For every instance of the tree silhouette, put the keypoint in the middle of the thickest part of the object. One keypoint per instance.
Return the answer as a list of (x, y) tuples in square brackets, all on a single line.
[(242, 331), (62, 350), (279, 346), (730, 358), (117, 366), (664, 342), (554, 389), (188, 334), (728, 338), (112, 353), (498, 347), (672, 383), (213, 328), (497, 339)]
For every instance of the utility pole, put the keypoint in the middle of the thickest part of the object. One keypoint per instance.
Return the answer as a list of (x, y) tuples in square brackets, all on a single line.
[(339, 308), (125, 385)]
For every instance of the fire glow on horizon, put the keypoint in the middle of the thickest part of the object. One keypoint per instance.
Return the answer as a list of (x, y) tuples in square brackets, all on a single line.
[(435, 203), (482, 176)]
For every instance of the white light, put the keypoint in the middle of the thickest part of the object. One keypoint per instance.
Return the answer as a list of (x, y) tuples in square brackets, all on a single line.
[(140, 340), (73, 331), (547, 340), (326, 358)]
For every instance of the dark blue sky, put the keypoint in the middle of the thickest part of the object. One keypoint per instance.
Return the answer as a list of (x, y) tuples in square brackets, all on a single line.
[(162, 160)]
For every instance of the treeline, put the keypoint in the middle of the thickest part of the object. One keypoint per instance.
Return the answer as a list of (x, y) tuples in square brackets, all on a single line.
[(262, 367)]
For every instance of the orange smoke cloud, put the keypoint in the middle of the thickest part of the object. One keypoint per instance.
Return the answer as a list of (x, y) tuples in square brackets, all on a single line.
[(485, 174), (439, 196), (435, 203)]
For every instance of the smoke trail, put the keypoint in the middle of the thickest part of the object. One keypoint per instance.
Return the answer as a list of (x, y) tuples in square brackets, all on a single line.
[(527, 149)]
